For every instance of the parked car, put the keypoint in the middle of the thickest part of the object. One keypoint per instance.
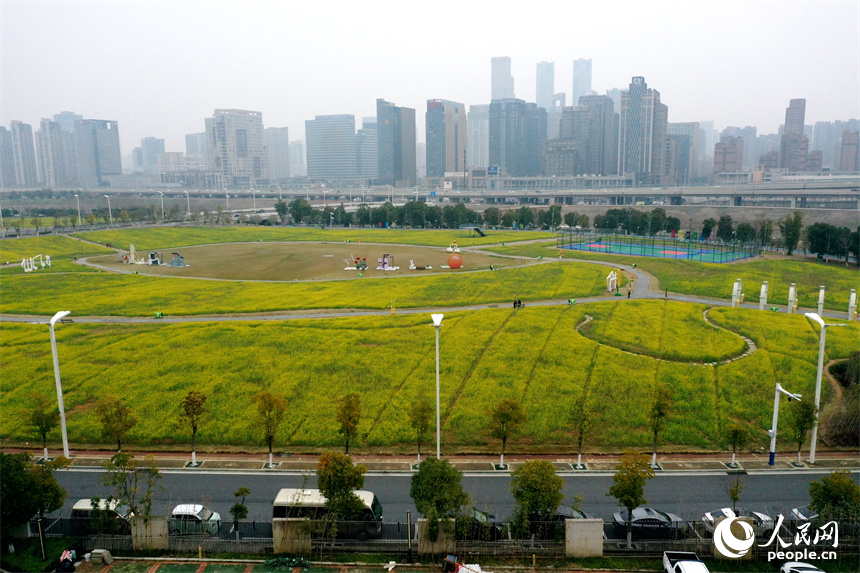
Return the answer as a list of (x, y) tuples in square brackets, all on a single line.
[(106, 517), (193, 519), (481, 526), (761, 523), (799, 567), (650, 523), (802, 514), (554, 527)]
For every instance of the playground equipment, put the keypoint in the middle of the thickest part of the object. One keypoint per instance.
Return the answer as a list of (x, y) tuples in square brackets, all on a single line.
[(762, 297), (611, 281), (792, 299), (386, 263), (131, 258), (154, 259), (29, 265), (354, 263), (737, 295), (852, 305), (455, 261), (176, 260), (414, 267), (453, 248)]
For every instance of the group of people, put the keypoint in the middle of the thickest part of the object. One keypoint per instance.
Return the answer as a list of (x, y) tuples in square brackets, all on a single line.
[(518, 304)]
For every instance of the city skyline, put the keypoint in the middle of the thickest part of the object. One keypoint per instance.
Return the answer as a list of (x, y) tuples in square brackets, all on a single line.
[(160, 69)]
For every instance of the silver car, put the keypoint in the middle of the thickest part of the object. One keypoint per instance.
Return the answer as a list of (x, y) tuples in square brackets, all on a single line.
[(194, 519), (761, 523)]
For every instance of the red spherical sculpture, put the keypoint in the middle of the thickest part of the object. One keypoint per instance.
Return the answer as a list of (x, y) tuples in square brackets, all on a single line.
[(455, 261)]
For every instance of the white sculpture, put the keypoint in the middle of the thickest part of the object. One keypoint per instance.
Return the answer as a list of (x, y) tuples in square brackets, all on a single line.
[(852, 305), (792, 299), (737, 296), (762, 297), (821, 301)]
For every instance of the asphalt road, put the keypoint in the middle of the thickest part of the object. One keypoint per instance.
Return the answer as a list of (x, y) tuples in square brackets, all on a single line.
[(686, 495)]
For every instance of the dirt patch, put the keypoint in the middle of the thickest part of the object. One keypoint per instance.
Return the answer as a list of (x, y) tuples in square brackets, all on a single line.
[(303, 261)]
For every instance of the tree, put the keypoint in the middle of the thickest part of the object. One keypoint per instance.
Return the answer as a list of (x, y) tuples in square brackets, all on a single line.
[(239, 511), (44, 418), (629, 485), (802, 420), (656, 220), (124, 217), (437, 492), (836, 496), (724, 228), (348, 416), (737, 436), (537, 490), (708, 227), (37, 224), (581, 418), (116, 419), (337, 479), (133, 481), (270, 413), (492, 216), (764, 231), (193, 409), (734, 489), (673, 224), (790, 228), (745, 233), (507, 417), (281, 209), (73, 220), (419, 420), (27, 490), (658, 414)]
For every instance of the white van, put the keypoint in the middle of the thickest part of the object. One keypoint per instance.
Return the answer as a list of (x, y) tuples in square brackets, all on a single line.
[(310, 504), (112, 515), (193, 518)]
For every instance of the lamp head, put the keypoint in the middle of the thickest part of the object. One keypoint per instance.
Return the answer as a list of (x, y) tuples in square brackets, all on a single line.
[(59, 316), (437, 319)]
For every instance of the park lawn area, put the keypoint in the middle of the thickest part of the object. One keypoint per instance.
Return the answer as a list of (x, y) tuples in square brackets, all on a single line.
[(533, 355), (106, 294), (163, 237), (63, 251), (715, 280), (671, 330)]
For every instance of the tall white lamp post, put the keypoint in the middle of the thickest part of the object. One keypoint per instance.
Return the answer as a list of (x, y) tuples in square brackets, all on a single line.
[(162, 204), (110, 213), (227, 196), (188, 203), (59, 316), (772, 431), (814, 316), (437, 322), (78, 199)]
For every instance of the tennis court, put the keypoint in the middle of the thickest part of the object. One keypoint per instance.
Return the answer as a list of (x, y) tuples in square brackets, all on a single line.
[(682, 249)]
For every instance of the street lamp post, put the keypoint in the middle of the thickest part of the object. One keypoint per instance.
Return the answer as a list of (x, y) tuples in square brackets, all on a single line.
[(162, 204), (772, 431), (227, 196), (814, 316), (78, 199), (437, 322), (110, 214), (187, 203), (254, 198), (59, 316)]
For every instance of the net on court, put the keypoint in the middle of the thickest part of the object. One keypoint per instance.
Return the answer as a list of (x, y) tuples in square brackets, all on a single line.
[(667, 248)]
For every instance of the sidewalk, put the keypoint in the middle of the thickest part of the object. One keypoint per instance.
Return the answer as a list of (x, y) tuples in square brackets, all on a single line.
[(476, 464)]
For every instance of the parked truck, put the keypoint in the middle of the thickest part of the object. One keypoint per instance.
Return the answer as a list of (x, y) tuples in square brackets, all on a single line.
[(683, 562)]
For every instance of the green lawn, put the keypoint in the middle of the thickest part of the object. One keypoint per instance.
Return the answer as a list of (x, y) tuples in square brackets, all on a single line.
[(716, 280), (533, 355)]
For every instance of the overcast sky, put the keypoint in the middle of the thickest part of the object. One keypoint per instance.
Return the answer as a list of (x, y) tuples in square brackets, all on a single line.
[(160, 68)]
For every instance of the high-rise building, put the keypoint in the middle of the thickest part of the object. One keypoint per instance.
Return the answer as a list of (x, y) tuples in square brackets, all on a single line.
[(729, 155), (24, 152), (367, 150), (827, 136), (686, 173), (748, 135), (849, 152), (678, 158), (615, 95), (195, 143), (601, 147), (330, 141), (7, 160), (446, 137), (278, 146), (502, 82), (517, 135), (396, 144), (298, 162), (151, 148), (236, 148), (643, 123), (98, 152), (794, 144), (545, 88), (581, 78), (478, 147), (55, 147), (67, 119)]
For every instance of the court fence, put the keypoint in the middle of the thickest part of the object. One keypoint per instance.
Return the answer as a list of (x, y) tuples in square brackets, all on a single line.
[(667, 247)]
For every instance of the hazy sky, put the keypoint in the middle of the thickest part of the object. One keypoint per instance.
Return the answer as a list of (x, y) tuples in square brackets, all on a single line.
[(160, 68)]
